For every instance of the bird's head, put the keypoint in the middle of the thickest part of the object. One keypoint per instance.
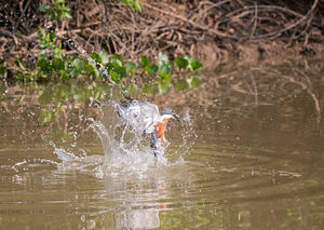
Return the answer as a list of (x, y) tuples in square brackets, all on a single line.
[(168, 114)]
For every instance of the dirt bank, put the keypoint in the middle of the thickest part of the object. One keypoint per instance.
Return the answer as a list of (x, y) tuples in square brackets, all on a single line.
[(211, 30)]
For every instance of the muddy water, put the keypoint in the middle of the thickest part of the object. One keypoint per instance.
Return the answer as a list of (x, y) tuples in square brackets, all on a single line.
[(251, 157)]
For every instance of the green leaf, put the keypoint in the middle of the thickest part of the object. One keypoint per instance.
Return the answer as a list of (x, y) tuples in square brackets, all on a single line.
[(75, 73), (131, 67), (165, 68), (43, 64), (45, 96), (46, 116), (117, 60), (58, 63), (114, 76), (43, 8), (42, 32), (148, 89), (151, 69), (195, 81), (90, 68), (145, 61), (165, 78), (181, 62), (58, 52), (132, 89), (43, 45), (52, 15), (65, 9), (66, 15), (188, 58), (148, 70), (104, 57), (182, 85), (42, 75), (96, 57), (164, 82), (78, 64), (64, 74), (121, 71), (195, 65), (164, 87), (138, 6), (163, 63), (20, 76), (59, 2), (154, 68), (51, 36), (19, 64)]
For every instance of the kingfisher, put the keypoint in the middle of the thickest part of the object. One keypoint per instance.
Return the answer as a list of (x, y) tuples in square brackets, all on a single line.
[(146, 119)]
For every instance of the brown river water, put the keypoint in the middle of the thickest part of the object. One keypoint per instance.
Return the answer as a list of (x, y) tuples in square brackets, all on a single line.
[(248, 153)]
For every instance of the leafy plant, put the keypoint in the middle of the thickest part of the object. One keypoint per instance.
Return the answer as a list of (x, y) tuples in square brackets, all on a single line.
[(55, 100), (149, 67), (189, 83), (24, 72), (164, 69), (188, 62), (133, 4), (53, 63), (57, 11), (131, 67), (192, 65)]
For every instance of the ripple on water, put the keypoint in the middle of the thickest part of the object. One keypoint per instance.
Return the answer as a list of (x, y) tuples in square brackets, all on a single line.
[(219, 178)]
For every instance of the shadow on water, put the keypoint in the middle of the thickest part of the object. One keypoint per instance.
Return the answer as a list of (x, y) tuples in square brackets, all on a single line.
[(247, 154)]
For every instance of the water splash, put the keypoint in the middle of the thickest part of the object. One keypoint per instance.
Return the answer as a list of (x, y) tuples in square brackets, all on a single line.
[(84, 164), (36, 163), (125, 150), (83, 52), (63, 155), (188, 135)]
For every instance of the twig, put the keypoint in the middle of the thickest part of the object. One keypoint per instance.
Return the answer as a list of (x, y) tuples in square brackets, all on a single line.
[(186, 20)]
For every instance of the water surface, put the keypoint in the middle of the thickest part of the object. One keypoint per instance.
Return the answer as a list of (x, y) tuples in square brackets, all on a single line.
[(248, 154)]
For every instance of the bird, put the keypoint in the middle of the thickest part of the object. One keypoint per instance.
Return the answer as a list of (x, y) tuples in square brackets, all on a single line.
[(146, 119)]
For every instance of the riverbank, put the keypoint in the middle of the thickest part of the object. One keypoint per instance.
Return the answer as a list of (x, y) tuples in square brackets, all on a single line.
[(208, 30)]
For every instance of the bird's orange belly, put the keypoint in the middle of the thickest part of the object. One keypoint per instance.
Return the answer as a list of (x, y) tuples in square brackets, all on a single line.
[(160, 128)]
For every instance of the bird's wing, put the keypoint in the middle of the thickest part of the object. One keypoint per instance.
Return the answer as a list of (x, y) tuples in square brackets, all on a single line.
[(142, 116), (151, 117)]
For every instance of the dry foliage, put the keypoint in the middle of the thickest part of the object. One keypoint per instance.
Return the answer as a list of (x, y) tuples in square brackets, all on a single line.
[(169, 26)]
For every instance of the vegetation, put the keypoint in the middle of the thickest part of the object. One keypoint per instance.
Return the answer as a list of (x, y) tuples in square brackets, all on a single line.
[(131, 28), (145, 47), (53, 63)]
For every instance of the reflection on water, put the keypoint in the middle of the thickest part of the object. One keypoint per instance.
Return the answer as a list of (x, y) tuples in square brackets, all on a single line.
[(248, 154)]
